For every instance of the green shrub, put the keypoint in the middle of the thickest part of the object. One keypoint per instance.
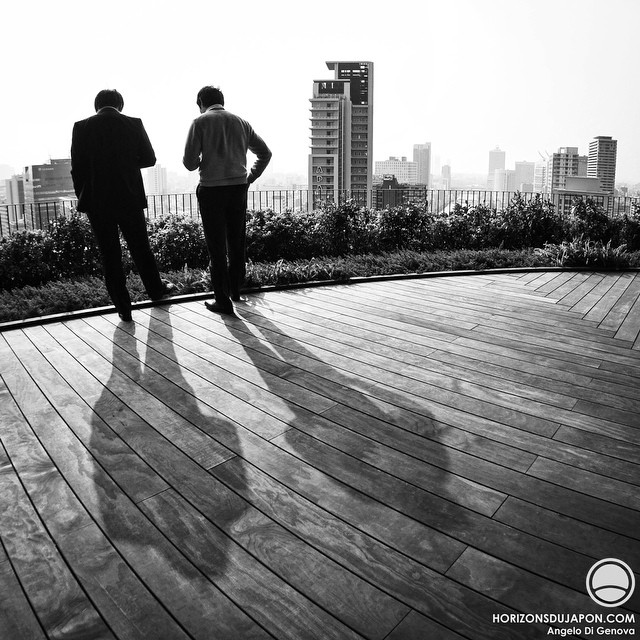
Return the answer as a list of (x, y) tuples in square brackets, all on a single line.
[(529, 223), (26, 258), (404, 227), (584, 252), (177, 241), (272, 236), (589, 219), (74, 248)]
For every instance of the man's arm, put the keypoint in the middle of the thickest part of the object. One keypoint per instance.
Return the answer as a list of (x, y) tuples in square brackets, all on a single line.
[(258, 146), (192, 149), (146, 154)]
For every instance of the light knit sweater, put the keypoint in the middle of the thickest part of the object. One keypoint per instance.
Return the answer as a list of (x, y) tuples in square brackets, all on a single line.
[(217, 145)]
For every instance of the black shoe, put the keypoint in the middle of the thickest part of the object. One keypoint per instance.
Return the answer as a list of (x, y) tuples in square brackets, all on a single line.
[(235, 297), (216, 307), (125, 316)]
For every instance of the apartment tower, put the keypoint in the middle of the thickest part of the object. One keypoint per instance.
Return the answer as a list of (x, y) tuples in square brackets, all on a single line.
[(422, 158), (565, 163), (341, 158), (602, 162), (496, 162)]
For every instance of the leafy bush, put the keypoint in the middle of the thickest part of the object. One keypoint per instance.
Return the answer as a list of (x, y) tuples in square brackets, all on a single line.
[(588, 219), (74, 248), (584, 252), (288, 234), (26, 258), (529, 224), (403, 227), (177, 241)]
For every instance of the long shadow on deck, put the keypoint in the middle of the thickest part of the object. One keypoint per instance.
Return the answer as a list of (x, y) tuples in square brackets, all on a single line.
[(394, 503), (166, 533)]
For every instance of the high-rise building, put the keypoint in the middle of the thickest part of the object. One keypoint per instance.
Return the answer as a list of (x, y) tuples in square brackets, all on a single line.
[(496, 161), (566, 162), (342, 130), (48, 182), (14, 190), (446, 176), (602, 162), (504, 180), (524, 176), (422, 158), (406, 172), (155, 180)]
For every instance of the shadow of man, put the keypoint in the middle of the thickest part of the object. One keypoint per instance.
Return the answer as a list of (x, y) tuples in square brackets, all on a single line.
[(364, 461), (160, 515)]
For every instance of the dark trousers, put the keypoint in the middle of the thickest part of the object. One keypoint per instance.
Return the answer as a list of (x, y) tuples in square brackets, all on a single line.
[(134, 230), (224, 222)]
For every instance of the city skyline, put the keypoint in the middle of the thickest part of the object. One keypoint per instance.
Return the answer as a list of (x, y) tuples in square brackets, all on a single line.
[(467, 76)]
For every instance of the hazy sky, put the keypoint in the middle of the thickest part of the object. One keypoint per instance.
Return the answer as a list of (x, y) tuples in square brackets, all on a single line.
[(466, 75)]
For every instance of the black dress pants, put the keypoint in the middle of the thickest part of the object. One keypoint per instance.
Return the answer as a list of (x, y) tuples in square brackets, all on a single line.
[(134, 230), (224, 221)]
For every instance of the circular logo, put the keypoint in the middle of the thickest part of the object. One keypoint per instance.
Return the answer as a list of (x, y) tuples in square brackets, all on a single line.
[(610, 582)]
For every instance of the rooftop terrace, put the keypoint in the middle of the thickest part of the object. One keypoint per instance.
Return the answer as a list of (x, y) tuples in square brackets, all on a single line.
[(392, 459)]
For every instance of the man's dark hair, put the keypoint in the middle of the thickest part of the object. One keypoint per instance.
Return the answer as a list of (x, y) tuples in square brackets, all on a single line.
[(109, 98), (210, 95)]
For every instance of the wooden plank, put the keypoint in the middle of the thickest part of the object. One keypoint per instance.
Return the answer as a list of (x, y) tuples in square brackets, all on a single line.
[(613, 490), (518, 588), (418, 627), (630, 327), (602, 307), (623, 305), (17, 618), (584, 538), (619, 449)]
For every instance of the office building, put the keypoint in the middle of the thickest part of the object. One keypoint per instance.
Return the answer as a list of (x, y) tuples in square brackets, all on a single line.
[(524, 176), (342, 132), (446, 176), (602, 162), (422, 158), (504, 180), (496, 161), (155, 180), (406, 172), (565, 163), (14, 190), (48, 182)]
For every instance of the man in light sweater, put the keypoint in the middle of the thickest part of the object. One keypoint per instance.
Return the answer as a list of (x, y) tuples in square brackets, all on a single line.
[(217, 146)]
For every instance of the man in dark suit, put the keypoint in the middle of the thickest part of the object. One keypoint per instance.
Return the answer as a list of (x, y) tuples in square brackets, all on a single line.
[(107, 152)]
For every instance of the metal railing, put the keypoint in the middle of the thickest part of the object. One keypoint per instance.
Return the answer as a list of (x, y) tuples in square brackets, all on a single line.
[(40, 215)]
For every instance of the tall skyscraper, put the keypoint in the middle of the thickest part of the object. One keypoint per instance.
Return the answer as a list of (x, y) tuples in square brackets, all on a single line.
[(422, 158), (566, 162), (155, 180), (496, 161), (504, 180), (602, 162), (524, 176), (342, 130)]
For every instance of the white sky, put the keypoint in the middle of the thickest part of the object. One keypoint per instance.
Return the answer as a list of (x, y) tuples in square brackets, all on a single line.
[(465, 75)]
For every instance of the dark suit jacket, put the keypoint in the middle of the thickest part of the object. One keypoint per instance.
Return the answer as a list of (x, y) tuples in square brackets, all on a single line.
[(107, 152)]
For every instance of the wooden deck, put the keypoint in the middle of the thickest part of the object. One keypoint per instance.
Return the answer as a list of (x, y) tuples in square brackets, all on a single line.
[(385, 460)]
